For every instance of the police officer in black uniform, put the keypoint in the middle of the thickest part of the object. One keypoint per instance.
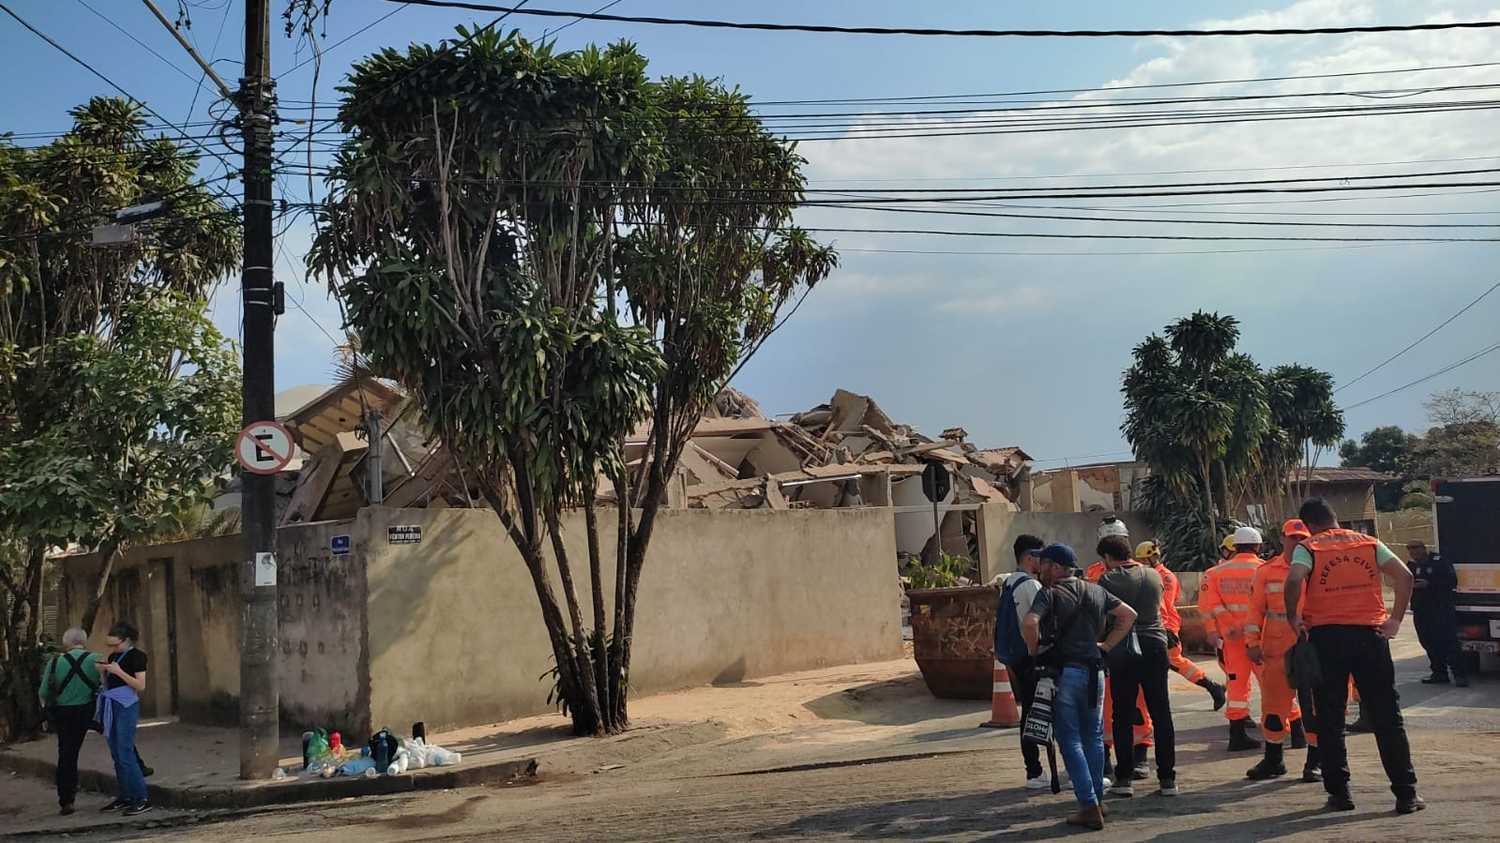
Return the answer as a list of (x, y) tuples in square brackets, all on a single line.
[(1433, 600)]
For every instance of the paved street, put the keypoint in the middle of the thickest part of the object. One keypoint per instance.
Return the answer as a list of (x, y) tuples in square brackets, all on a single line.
[(884, 761)]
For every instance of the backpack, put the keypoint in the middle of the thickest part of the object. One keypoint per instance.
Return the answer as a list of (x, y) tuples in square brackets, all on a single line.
[(1010, 647)]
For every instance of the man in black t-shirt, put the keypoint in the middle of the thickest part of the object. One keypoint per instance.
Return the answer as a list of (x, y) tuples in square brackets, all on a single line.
[(1062, 630)]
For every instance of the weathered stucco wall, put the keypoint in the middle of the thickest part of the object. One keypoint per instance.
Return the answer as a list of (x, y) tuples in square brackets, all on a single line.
[(455, 635), (184, 599), (999, 527)]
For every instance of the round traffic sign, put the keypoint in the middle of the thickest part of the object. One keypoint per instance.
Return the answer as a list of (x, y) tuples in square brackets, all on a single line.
[(264, 447)]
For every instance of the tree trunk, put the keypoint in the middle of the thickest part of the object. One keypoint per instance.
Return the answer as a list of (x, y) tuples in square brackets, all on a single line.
[(618, 679), (600, 648), (20, 670), (107, 553), (587, 714)]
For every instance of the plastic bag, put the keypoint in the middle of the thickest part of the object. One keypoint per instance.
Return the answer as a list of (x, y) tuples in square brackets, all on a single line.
[(357, 767)]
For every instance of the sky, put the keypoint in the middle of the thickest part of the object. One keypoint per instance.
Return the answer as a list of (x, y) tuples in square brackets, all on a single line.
[(1020, 341)]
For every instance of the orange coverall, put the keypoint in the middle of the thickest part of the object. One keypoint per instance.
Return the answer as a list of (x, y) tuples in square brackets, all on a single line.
[(1142, 730), (1266, 627), (1171, 590), (1224, 602)]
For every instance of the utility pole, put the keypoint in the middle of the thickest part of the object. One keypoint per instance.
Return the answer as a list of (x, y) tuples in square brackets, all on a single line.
[(260, 699)]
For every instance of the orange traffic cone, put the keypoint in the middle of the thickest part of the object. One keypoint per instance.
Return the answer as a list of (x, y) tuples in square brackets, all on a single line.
[(1003, 712)]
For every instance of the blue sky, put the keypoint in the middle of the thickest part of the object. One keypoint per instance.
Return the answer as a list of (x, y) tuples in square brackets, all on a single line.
[(1019, 349)]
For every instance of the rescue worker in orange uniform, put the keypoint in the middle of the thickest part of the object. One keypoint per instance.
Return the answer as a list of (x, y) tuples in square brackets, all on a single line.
[(1224, 603), (1149, 553), (1268, 637), (1343, 610), (1112, 526)]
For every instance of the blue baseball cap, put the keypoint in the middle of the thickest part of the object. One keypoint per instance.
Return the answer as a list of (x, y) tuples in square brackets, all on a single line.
[(1059, 554)]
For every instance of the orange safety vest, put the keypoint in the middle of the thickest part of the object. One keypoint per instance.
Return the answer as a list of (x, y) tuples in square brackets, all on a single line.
[(1171, 589), (1224, 599), (1344, 586), (1095, 571), (1268, 627)]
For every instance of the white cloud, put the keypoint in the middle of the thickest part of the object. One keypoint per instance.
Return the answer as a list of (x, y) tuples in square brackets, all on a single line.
[(1028, 301)]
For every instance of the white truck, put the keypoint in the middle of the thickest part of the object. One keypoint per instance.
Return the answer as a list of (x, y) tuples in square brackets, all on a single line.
[(1466, 519)]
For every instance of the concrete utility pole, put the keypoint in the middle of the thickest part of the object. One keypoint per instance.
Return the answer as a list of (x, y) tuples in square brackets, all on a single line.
[(260, 699)]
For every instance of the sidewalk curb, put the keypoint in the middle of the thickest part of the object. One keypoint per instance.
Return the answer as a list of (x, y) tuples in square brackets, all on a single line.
[(293, 790)]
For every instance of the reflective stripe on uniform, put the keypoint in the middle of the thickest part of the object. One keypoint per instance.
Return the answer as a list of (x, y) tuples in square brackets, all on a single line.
[(1250, 627), (1239, 607), (1218, 610), (1276, 616), (1001, 688), (1237, 705), (1275, 587)]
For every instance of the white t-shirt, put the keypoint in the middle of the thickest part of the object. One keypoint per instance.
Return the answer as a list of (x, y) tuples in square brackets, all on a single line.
[(1024, 592)]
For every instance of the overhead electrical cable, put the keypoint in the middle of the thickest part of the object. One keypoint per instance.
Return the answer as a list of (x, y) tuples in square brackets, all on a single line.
[(1419, 340), (963, 33), (1484, 352)]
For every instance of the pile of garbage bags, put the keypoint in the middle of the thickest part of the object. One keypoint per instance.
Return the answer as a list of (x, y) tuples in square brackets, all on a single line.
[(324, 755)]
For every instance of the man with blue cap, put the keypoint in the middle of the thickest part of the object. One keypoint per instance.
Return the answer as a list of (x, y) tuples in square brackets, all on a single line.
[(1062, 629)]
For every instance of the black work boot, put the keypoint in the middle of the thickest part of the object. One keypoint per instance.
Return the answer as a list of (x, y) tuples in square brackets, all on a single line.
[(1299, 735), (1312, 768), (1271, 766), (1363, 724), (1435, 679), (1239, 738), (1215, 690), (1142, 763), (1460, 680), (1340, 801)]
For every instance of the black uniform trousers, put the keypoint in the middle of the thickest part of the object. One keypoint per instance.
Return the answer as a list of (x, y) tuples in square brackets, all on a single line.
[(1360, 652)]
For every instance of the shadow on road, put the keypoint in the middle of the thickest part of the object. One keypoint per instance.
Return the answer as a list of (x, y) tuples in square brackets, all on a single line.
[(1014, 814), (894, 702)]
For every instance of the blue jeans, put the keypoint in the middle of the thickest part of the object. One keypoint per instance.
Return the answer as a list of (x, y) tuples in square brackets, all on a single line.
[(121, 739), (1078, 726)]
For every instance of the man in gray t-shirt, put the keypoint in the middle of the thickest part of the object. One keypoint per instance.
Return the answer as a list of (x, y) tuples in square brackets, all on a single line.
[(1141, 673), (1141, 587)]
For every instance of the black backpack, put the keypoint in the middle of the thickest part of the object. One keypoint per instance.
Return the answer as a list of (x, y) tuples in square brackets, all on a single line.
[(383, 747)]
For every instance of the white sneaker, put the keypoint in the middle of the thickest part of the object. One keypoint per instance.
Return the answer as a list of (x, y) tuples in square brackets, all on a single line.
[(1038, 782), (1123, 790), (1108, 782)]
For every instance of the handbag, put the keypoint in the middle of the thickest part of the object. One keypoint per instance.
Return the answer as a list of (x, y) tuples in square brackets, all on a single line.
[(1304, 670)]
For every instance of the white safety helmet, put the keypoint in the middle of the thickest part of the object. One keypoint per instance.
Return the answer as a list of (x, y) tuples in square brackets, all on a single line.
[(1113, 526), (1247, 535)]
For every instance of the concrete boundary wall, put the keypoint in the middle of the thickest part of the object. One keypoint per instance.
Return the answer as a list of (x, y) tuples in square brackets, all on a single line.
[(455, 634), (999, 527)]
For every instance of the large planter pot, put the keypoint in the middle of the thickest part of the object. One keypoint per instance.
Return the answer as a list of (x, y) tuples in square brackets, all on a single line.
[(953, 638), (1194, 633)]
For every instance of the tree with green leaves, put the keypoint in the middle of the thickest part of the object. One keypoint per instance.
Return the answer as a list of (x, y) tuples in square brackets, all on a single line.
[(82, 370), (1217, 431), (1388, 449), (547, 249)]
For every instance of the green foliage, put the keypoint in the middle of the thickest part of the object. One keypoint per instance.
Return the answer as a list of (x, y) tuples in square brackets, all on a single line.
[(1218, 431), (115, 389), (545, 248), (1416, 495), (946, 573)]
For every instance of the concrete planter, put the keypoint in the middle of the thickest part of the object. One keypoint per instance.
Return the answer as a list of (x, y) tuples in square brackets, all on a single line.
[(953, 636)]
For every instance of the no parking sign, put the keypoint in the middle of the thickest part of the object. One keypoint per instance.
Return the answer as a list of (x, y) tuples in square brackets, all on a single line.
[(264, 447)]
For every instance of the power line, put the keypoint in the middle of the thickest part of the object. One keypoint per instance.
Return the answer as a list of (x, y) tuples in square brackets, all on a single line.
[(1443, 371), (143, 45), (1421, 339), (1171, 237), (575, 21), (966, 33), (110, 82), (342, 41), (1157, 220), (1137, 87)]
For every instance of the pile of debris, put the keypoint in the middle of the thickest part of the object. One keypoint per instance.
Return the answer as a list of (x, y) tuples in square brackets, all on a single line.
[(859, 432)]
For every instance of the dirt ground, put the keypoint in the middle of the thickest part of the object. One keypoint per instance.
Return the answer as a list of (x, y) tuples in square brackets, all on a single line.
[(868, 755)]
